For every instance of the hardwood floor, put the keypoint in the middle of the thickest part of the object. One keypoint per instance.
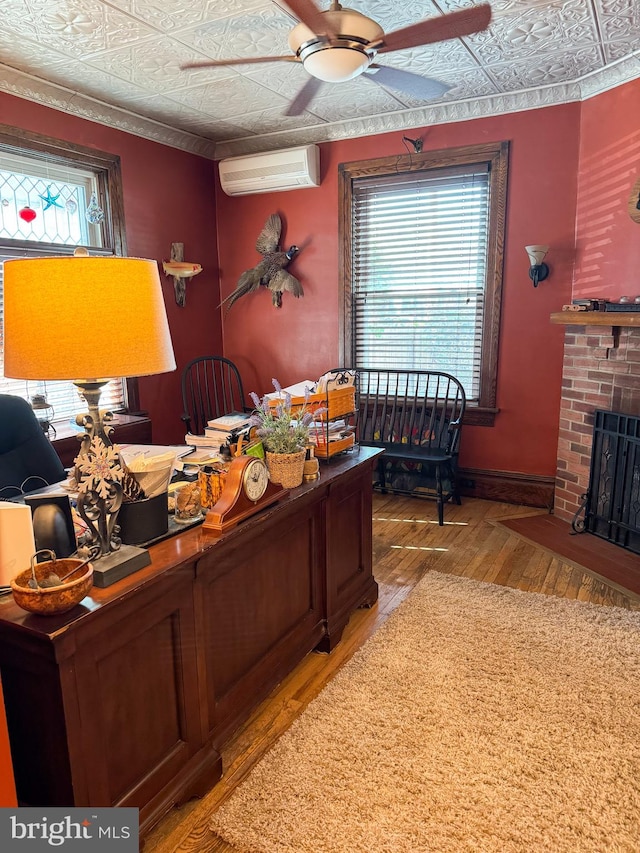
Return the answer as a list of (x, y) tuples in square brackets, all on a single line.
[(407, 543)]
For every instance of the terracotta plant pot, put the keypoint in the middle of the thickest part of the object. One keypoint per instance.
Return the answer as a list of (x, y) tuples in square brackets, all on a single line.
[(287, 469)]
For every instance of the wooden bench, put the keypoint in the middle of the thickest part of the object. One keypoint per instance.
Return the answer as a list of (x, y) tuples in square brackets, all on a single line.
[(415, 415)]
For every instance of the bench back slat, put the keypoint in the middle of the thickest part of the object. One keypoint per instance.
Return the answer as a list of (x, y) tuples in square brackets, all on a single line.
[(417, 411)]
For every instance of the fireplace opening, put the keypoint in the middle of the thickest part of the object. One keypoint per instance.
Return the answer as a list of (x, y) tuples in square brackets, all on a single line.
[(613, 499)]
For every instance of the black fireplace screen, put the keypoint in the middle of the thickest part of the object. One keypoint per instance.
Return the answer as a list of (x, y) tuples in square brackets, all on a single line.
[(613, 499)]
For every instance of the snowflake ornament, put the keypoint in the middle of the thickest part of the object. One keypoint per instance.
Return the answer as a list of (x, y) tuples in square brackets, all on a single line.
[(99, 468)]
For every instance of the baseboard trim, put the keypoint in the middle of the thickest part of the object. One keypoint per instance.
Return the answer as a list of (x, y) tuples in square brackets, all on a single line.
[(507, 486)]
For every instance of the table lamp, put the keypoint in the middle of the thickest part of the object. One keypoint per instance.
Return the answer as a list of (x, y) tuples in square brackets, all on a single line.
[(82, 319)]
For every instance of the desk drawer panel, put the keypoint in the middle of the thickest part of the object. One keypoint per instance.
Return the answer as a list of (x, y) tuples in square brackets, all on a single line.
[(261, 612)]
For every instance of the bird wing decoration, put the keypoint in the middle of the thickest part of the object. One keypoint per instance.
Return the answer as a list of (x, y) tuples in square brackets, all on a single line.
[(269, 238), (270, 271), (283, 282)]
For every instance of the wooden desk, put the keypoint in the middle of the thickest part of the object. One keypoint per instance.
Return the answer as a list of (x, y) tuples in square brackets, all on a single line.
[(127, 699)]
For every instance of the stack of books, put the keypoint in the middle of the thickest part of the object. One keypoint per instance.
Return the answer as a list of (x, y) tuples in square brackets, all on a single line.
[(219, 430)]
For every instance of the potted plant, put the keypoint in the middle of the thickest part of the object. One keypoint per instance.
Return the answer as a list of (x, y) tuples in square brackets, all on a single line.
[(283, 427)]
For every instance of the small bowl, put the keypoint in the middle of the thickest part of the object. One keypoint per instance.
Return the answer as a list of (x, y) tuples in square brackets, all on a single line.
[(51, 600)]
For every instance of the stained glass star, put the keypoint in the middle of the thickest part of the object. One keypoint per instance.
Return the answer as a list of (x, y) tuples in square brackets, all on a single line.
[(50, 200)]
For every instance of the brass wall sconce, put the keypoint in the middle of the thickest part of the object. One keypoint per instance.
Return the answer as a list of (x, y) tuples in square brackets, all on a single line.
[(538, 270)]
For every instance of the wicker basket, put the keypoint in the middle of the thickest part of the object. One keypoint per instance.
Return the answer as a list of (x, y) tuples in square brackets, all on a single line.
[(338, 402), (287, 469)]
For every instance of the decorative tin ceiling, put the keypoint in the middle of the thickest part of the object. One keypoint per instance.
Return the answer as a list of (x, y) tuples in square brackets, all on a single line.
[(118, 62)]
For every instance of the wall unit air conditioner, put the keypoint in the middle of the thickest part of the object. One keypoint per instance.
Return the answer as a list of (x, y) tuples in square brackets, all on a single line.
[(273, 171)]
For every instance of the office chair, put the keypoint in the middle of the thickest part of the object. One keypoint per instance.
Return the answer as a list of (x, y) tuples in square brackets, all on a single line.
[(211, 387), (27, 458)]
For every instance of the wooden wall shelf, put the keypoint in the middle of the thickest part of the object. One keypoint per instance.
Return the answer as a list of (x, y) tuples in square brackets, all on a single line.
[(596, 318)]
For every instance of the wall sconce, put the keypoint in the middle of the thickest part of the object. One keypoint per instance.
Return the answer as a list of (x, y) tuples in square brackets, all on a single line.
[(538, 270)]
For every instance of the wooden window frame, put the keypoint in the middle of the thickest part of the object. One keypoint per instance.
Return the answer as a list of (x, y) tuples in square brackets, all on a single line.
[(496, 156), (21, 142)]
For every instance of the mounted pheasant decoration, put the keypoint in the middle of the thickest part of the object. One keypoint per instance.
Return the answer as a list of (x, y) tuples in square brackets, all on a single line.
[(271, 271)]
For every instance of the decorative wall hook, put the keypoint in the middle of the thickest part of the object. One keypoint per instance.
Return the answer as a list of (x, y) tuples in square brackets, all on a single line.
[(180, 271)]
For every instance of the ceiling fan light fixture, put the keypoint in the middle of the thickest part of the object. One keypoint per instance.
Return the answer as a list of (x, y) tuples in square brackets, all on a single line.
[(346, 56), (337, 64)]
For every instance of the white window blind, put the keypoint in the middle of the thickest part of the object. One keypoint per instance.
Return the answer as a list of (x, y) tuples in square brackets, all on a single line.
[(56, 230), (419, 260)]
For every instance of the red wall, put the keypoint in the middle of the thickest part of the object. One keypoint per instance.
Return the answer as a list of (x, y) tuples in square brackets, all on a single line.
[(169, 197), (7, 785), (607, 239), (300, 341)]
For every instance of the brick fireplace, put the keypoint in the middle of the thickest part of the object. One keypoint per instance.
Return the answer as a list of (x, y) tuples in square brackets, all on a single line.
[(601, 371)]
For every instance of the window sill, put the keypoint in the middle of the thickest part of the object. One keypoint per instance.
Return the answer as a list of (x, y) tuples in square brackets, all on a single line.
[(479, 416), (127, 428)]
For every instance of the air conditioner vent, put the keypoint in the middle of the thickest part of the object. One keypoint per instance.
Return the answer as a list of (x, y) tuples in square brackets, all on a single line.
[(272, 171)]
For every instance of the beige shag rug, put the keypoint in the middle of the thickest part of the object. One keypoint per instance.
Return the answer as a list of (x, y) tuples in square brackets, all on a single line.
[(478, 718)]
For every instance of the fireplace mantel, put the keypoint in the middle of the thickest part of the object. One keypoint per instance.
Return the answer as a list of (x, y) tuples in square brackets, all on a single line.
[(596, 318)]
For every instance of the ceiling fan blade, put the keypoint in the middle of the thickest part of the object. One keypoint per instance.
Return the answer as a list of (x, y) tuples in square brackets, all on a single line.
[(304, 97), (307, 12), (249, 60), (406, 82), (461, 23)]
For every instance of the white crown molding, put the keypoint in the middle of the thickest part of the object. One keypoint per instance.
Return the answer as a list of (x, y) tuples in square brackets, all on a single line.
[(613, 75), (57, 97), (404, 119), (40, 91)]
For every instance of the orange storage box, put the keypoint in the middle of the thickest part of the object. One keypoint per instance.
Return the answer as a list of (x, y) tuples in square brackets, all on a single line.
[(338, 402)]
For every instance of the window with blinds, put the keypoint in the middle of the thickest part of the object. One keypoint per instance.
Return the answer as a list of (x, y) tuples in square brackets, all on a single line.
[(47, 207), (421, 269)]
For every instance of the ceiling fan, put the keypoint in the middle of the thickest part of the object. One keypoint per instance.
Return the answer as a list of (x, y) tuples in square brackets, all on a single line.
[(339, 44)]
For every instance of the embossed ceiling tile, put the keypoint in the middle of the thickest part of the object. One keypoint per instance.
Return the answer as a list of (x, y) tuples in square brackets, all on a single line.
[(263, 33), (528, 33), (356, 98), (266, 121), (30, 57), (155, 65), (169, 15), (229, 98), (473, 83), (166, 110), (287, 78), (620, 19), (95, 82), (544, 70), (77, 30), (431, 59), (615, 50), (392, 16)]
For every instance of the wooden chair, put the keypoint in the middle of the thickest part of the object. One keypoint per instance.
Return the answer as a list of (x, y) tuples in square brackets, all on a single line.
[(211, 387), (416, 416)]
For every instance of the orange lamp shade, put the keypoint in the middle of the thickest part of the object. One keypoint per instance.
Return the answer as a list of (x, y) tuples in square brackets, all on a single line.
[(84, 318)]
